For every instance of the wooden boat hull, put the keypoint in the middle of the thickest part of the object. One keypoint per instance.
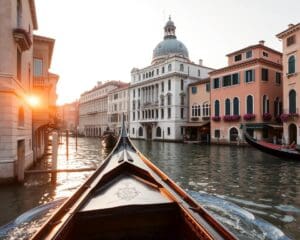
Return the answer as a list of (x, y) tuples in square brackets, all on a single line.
[(128, 197), (275, 151)]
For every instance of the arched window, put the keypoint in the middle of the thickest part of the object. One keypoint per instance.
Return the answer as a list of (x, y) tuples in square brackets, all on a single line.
[(291, 64), (292, 101), (158, 132), (140, 131), (196, 110), (265, 104), (205, 109), (277, 107), (236, 106), (169, 99), (169, 131), (217, 108), (233, 134), (227, 106), (249, 104), (21, 116)]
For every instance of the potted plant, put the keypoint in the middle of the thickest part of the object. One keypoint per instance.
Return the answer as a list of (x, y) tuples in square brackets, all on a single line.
[(249, 116), (216, 118)]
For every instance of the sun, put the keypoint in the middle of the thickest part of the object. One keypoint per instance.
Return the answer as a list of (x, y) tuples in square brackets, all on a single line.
[(33, 101)]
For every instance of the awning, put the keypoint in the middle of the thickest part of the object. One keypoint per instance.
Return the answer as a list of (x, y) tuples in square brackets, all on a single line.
[(195, 124), (275, 126), (253, 125)]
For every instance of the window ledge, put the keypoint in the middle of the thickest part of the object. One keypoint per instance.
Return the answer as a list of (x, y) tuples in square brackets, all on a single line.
[(291, 74)]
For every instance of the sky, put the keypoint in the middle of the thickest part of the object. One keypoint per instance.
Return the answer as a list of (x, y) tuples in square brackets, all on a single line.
[(101, 40)]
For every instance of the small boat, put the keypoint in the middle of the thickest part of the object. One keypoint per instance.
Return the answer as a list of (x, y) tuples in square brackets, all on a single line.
[(277, 150), (109, 139), (128, 197)]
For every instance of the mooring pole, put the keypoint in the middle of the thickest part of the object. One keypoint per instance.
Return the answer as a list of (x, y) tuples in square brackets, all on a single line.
[(67, 143), (54, 156), (76, 136)]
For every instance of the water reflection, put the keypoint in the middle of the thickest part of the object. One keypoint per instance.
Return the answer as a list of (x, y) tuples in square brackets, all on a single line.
[(262, 184)]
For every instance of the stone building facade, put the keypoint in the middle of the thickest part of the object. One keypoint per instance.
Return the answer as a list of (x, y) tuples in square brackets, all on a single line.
[(93, 108), (158, 93), (247, 93), (17, 88), (118, 102), (291, 83)]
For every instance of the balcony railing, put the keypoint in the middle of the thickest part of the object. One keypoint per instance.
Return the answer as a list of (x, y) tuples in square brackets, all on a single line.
[(22, 38), (289, 116)]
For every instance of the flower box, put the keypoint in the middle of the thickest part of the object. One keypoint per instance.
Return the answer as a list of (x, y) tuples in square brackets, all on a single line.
[(267, 116), (194, 118), (216, 118), (231, 118), (249, 116), (205, 118), (288, 116)]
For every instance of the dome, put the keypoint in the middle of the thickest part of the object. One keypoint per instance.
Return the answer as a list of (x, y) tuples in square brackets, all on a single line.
[(170, 45)]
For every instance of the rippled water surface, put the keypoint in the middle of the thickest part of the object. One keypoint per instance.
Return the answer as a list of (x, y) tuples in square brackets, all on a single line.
[(251, 188)]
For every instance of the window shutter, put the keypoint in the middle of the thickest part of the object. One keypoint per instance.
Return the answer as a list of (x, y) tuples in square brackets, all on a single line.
[(253, 75)]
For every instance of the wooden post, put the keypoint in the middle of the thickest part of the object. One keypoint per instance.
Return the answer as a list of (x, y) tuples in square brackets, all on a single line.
[(76, 136), (54, 156), (67, 143)]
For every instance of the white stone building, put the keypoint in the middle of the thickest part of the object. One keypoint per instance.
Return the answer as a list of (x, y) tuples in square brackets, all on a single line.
[(159, 92), (118, 102), (93, 107)]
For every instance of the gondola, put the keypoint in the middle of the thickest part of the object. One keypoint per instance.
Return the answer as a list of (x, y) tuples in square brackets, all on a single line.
[(273, 149), (109, 139), (128, 197)]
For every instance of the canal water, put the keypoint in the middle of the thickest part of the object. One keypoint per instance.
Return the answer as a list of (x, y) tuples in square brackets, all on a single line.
[(255, 195)]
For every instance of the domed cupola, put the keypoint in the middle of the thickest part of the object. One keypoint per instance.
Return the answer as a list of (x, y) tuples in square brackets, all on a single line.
[(170, 45)]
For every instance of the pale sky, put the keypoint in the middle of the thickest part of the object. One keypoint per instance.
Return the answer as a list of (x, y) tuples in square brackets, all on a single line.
[(100, 40)]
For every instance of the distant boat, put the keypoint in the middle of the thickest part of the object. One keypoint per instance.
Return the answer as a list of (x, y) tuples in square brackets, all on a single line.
[(109, 139), (128, 197), (277, 150)]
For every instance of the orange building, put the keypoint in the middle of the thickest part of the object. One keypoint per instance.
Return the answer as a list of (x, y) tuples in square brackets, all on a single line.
[(197, 128), (291, 85), (248, 92)]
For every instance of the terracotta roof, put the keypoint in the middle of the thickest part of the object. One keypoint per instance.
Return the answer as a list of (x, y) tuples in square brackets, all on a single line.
[(288, 31), (244, 64), (252, 47), (201, 81)]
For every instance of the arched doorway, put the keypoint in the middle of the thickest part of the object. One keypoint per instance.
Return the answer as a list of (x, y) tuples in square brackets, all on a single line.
[(149, 132), (233, 134), (292, 133)]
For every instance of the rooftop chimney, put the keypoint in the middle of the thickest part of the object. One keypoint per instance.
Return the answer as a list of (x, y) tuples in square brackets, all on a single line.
[(200, 62), (262, 42), (291, 25)]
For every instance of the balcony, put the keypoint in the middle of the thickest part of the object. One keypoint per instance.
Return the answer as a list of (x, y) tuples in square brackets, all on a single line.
[(22, 38), (39, 82), (289, 116)]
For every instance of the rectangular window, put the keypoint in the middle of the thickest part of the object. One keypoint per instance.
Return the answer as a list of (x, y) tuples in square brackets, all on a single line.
[(264, 74), (182, 113), (157, 71), (163, 70), (216, 83), (235, 79), (194, 90), (132, 130), (156, 113), (37, 67), (169, 85), (238, 57), (182, 99), (278, 77), (162, 86), (133, 116), (249, 76), (227, 80), (265, 54), (169, 112), (116, 95), (199, 72), (139, 92), (249, 54), (217, 133), (290, 40), (162, 113), (169, 131), (207, 87), (181, 84)]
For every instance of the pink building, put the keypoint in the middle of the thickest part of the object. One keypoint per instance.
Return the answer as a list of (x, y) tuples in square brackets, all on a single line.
[(291, 85), (248, 92)]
